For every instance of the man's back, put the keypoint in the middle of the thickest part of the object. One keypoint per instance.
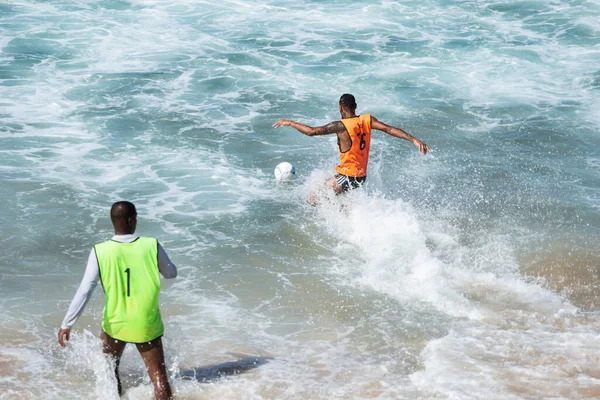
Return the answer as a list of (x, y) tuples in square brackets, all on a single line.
[(129, 275), (354, 159)]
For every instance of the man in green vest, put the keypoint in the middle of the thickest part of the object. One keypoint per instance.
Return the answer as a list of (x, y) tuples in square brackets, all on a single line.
[(128, 267)]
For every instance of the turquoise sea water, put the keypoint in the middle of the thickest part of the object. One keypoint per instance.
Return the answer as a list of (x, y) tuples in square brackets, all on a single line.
[(471, 273)]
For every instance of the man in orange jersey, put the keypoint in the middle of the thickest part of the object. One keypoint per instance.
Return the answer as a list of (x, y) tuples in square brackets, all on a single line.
[(354, 141)]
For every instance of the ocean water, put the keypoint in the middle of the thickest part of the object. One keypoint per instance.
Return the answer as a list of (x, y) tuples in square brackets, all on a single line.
[(470, 273)]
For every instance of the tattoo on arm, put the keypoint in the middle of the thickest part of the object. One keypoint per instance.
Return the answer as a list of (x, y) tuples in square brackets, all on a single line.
[(332, 127)]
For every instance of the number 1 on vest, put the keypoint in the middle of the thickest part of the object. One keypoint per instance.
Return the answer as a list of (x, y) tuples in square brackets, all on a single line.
[(128, 272)]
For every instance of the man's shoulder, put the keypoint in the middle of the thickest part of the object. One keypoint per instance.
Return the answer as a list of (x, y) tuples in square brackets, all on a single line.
[(100, 244), (117, 240), (147, 240)]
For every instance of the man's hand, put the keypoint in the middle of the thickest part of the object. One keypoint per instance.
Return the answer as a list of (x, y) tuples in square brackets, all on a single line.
[(64, 333), (282, 122), (423, 148)]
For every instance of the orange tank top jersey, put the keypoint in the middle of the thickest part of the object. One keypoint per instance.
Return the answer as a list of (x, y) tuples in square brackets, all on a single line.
[(354, 161)]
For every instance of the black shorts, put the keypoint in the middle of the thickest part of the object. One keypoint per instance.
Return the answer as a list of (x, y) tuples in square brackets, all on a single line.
[(349, 182)]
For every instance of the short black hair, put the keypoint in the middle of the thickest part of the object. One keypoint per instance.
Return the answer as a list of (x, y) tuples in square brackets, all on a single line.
[(122, 210), (347, 100)]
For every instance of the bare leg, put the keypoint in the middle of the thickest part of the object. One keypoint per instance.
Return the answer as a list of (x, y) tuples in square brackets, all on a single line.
[(154, 358), (114, 348), (330, 183)]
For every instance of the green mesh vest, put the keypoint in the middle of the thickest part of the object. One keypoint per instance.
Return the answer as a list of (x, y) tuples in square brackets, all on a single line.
[(130, 277)]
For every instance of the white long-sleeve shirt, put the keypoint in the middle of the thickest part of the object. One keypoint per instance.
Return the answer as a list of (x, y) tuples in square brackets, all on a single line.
[(92, 276)]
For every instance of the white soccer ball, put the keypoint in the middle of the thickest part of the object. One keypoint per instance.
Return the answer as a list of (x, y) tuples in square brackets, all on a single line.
[(284, 171)]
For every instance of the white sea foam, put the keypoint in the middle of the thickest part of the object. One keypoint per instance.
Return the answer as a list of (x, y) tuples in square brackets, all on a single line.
[(385, 248)]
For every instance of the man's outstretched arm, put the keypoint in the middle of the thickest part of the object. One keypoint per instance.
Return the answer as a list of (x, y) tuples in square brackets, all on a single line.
[(332, 127), (399, 133)]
